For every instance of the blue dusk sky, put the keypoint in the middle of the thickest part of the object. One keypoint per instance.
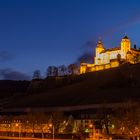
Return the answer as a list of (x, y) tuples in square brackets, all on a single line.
[(37, 33)]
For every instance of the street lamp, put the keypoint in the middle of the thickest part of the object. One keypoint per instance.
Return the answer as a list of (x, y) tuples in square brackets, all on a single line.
[(91, 128), (52, 126), (18, 125)]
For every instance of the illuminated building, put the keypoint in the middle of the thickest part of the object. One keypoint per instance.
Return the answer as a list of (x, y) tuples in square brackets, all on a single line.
[(113, 57)]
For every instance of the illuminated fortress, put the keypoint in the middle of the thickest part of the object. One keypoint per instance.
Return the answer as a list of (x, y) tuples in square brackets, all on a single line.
[(113, 57)]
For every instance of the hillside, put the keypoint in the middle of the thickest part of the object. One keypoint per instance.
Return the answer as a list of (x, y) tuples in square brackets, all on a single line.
[(112, 85), (9, 88)]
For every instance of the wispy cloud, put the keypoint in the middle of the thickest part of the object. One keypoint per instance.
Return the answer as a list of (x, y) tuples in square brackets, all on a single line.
[(90, 43), (88, 51), (9, 74), (86, 57)]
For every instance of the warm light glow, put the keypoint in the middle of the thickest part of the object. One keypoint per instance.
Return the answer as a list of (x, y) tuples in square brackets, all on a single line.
[(17, 124), (86, 130), (108, 58), (50, 125), (113, 126), (91, 125)]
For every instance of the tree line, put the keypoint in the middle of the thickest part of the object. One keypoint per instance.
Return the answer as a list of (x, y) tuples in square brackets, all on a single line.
[(61, 70)]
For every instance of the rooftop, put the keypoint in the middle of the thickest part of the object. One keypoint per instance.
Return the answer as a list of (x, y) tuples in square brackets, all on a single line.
[(111, 49)]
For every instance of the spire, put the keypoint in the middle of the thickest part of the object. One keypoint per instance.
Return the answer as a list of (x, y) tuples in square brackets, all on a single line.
[(125, 37), (99, 40), (100, 44)]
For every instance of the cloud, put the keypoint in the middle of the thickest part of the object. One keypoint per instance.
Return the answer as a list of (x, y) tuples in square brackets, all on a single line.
[(88, 54), (86, 57), (9, 74), (4, 56), (90, 44), (89, 51)]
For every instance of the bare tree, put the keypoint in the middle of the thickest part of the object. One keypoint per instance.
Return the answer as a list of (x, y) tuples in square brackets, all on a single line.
[(73, 69), (127, 119), (56, 120), (52, 71), (37, 74), (37, 121), (62, 70), (49, 71), (69, 125)]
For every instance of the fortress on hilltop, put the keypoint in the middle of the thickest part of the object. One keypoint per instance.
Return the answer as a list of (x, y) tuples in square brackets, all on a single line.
[(113, 57)]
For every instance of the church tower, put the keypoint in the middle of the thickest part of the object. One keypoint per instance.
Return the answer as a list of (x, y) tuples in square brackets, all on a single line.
[(99, 48), (125, 46)]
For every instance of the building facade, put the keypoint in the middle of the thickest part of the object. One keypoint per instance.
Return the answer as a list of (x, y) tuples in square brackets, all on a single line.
[(110, 58)]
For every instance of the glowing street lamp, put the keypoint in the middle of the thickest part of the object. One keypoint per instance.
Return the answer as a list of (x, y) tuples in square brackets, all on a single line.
[(91, 128), (18, 125), (52, 126), (90, 125)]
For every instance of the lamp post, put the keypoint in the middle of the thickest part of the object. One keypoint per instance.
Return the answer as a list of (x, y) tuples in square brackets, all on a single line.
[(18, 125), (52, 126), (53, 132), (91, 128)]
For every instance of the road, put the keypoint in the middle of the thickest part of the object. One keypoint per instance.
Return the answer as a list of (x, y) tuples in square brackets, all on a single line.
[(17, 138)]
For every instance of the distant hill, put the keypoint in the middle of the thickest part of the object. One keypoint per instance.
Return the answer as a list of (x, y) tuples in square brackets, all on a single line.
[(9, 88), (108, 86)]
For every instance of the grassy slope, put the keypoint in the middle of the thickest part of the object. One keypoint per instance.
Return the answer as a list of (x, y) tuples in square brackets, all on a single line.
[(9, 88), (112, 85)]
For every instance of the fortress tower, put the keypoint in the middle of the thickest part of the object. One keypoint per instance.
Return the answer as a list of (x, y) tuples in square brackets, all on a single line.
[(98, 50), (99, 47), (112, 57), (125, 47)]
